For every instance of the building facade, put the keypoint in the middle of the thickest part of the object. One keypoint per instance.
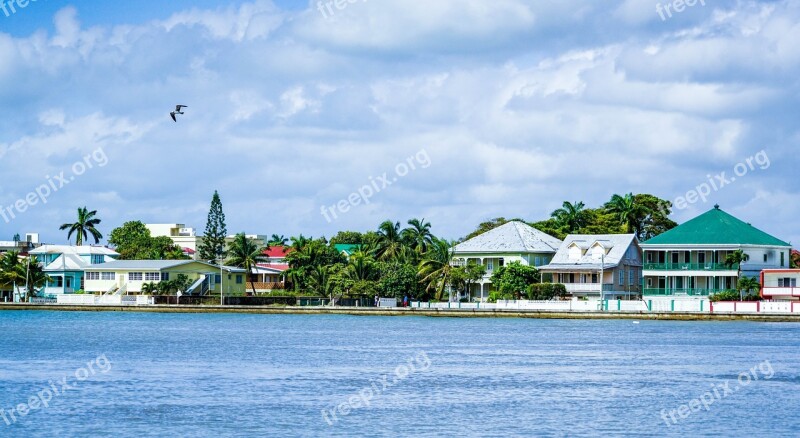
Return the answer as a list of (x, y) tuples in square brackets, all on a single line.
[(183, 236), (128, 276), (606, 266), (780, 284), (512, 242), (65, 265), (690, 260)]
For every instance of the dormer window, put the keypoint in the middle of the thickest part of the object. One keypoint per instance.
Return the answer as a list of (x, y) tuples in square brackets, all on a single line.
[(574, 253)]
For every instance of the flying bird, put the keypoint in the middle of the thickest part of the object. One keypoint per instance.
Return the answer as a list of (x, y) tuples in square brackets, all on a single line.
[(177, 111)]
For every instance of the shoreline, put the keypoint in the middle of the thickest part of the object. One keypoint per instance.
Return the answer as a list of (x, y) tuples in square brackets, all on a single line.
[(409, 311)]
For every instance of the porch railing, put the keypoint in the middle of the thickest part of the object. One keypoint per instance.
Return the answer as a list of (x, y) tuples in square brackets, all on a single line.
[(690, 267)]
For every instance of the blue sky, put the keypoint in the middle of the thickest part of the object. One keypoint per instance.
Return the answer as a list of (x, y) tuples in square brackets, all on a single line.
[(468, 110)]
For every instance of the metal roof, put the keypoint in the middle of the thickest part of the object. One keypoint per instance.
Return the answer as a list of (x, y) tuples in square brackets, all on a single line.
[(513, 237), (616, 244)]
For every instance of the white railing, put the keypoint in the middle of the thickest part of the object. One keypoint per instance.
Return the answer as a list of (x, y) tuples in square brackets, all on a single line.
[(105, 300), (582, 287), (782, 291)]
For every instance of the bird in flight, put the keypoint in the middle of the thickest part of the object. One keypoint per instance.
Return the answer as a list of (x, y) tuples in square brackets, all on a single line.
[(177, 111)]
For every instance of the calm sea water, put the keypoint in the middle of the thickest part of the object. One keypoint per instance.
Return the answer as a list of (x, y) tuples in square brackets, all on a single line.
[(262, 375)]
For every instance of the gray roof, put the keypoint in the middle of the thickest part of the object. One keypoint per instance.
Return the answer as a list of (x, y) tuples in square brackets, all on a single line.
[(615, 244), (513, 237), (151, 265)]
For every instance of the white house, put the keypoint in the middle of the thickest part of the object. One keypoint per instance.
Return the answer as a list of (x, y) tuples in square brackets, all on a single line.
[(601, 265), (512, 242), (780, 284)]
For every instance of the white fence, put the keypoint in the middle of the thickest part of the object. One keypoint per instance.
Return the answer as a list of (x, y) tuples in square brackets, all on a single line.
[(105, 300), (660, 305)]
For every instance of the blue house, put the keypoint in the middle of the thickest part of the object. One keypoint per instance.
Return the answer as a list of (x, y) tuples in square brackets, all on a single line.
[(66, 264)]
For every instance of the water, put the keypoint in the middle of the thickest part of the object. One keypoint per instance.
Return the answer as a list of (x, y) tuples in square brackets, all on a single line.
[(263, 375)]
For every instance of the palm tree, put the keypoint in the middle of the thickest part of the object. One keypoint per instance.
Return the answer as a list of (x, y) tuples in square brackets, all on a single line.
[(35, 277), (12, 270), (627, 211), (418, 236), (244, 253), (390, 243), (737, 258), (149, 288), (435, 270), (277, 240), (84, 226), (747, 284), (361, 266), (571, 215)]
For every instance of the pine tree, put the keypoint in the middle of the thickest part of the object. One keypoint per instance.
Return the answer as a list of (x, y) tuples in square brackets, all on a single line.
[(214, 238)]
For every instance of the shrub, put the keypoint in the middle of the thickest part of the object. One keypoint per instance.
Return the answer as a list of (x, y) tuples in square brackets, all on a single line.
[(726, 295), (497, 295), (546, 291)]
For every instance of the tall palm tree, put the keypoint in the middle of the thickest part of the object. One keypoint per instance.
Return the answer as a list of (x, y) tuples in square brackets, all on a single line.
[(737, 258), (627, 211), (435, 270), (244, 253), (35, 277), (418, 235), (390, 243), (85, 225), (571, 215), (276, 240), (747, 284)]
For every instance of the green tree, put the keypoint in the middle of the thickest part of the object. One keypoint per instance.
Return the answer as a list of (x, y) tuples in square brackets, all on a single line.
[(213, 244), (514, 278), (83, 227), (418, 235), (751, 286), (794, 259), (653, 218), (436, 270), (627, 211), (348, 238), (571, 216), (12, 270), (133, 242), (245, 253), (398, 280), (390, 244), (35, 277), (150, 288), (736, 258), (277, 240)]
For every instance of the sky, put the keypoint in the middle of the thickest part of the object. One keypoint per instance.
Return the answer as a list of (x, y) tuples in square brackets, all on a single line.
[(310, 118)]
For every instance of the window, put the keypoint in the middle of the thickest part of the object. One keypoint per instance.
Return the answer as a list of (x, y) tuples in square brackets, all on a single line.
[(97, 259), (500, 262), (621, 276), (787, 282), (782, 261), (134, 276), (152, 276), (594, 278), (92, 275), (165, 276), (109, 276), (536, 261), (675, 258), (218, 279), (489, 265), (630, 276), (239, 279), (765, 258), (701, 258)]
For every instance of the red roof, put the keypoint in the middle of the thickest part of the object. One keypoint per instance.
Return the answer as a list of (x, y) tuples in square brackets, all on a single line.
[(276, 266), (277, 252), (188, 251)]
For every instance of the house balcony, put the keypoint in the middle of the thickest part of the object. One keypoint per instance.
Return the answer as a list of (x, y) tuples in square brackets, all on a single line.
[(690, 267), (681, 292), (587, 287), (781, 291)]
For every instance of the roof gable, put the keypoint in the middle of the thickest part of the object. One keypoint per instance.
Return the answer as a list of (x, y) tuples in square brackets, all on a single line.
[(715, 227), (616, 244), (512, 236)]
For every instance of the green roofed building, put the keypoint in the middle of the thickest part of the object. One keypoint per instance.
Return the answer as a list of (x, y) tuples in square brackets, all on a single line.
[(347, 249), (690, 259)]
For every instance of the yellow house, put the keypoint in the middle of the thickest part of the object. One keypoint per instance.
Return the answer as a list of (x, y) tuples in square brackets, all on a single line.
[(127, 276)]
